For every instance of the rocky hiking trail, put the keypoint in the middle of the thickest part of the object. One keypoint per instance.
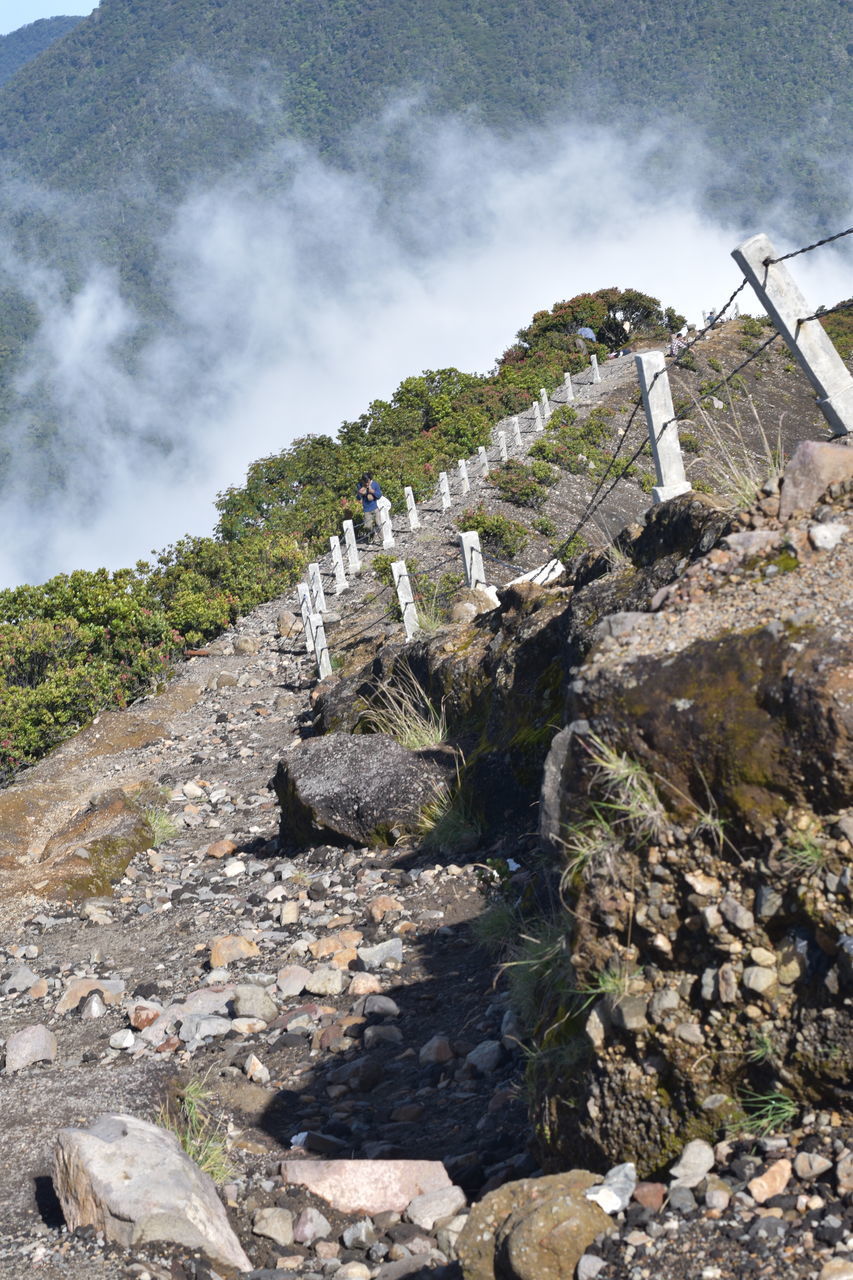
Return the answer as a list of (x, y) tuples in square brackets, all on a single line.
[(331, 997)]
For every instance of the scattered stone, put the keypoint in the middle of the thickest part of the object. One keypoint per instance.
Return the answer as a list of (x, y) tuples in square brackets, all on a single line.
[(311, 1225), (696, 1160), (772, 1182), (31, 1044), (428, 1209), (274, 1224), (231, 947)]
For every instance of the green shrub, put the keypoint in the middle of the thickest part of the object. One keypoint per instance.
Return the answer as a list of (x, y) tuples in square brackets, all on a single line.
[(507, 536), (525, 486)]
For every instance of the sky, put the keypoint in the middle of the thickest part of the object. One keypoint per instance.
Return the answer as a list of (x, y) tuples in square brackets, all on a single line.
[(17, 13)]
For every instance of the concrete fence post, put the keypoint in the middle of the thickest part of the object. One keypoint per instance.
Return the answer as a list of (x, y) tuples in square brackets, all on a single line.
[(315, 582), (545, 403), (516, 431), (596, 372), (809, 343), (502, 446), (384, 517), (411, 507), (341, 583), (538, 424), (444, 490), (352, 547), (406, 597), (321, 649), (464, 482), (570, 391), (472, 559), (484, 460), (305, 609), (663, 428)]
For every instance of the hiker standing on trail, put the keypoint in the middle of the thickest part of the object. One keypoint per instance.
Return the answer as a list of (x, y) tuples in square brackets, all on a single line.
[(369, 493)]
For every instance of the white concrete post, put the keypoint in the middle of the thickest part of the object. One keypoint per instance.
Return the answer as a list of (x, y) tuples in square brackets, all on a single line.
[(472, 558), (820, 362), (663, 428), (593, 364), (570, 391), (341, 583), (315, 582), (538, 424), (305, 608), (321, 649), (464, 482), (545, 404), (407, 600), (411, 507), (444, 490), (516, 431), (484, 460), (502, 445), (352, 547), (384, 517)]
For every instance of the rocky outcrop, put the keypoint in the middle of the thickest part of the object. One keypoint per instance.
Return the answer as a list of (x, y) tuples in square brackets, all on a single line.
[(698, 802)]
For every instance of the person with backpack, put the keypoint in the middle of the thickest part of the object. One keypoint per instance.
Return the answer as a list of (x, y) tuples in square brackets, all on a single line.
[(369, 492)]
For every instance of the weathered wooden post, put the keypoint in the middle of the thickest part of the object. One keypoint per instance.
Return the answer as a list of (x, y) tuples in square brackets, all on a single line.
[(315, 582), (444, 490), (596, 372), (411, 507), (472, 558), (809, 343), (352, 547), (502, 446), (516, 431), (570, 391), (321, 649), (464, 482), (305, 609), (406, 597), (484, 460), (663, 427), (545, 404), (341, 583)]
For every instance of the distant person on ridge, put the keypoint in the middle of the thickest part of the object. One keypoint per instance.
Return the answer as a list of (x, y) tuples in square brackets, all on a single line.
[(369, 493)]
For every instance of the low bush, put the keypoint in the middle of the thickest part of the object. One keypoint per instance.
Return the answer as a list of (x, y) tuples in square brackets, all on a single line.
[(506, 536)]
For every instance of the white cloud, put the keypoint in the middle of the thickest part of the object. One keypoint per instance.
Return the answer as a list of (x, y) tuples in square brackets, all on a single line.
[(300, 292)]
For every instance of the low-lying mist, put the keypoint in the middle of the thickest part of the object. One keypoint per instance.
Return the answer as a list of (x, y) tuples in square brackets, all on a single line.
[(294, 293)]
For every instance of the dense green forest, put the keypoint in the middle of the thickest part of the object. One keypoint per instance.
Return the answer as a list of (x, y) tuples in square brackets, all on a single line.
[(21, 46)]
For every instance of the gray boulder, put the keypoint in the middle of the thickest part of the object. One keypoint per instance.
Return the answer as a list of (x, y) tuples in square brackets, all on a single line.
[(358, 788), (131, 1180)]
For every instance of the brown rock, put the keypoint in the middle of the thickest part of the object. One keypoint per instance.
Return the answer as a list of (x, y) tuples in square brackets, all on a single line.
[(111, 991), (366, 1186), (231, 947), (814, 467), (559, 1227), (220, 849), (379, 907), (772, 1182), (650, 1195)]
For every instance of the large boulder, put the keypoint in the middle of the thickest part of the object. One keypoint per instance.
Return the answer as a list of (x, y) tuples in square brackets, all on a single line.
[(356, 788), (533, 1229), (130, 1180)]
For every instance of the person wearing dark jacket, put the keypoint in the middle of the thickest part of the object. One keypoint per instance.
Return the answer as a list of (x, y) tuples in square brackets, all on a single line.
[(369, 493)]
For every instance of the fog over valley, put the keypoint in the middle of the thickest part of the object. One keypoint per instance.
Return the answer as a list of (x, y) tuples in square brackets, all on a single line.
[(292, 293)]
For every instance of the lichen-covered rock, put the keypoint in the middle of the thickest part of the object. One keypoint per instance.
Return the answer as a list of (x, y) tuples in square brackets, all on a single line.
[(533, 1229)]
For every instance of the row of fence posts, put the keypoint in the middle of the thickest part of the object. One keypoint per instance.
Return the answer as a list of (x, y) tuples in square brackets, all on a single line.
[(781, 299), (312, 597), (806, 338)]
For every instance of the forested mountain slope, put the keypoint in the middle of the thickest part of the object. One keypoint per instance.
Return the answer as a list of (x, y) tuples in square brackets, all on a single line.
[(21, 46), (134, 82)]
